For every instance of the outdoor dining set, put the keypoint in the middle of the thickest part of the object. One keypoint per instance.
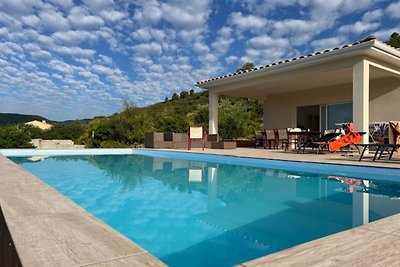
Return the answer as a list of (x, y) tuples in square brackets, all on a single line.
[(341, 139)]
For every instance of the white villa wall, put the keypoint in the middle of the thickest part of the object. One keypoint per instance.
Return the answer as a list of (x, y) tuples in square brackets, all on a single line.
[(280, 109)]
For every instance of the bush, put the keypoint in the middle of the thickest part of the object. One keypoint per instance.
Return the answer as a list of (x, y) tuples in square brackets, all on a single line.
[(13, 137)]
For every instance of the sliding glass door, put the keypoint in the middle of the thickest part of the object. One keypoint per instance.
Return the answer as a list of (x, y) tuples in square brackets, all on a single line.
[(324, 117), (333, 115)]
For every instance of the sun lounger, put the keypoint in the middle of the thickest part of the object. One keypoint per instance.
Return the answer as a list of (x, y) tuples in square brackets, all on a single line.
[(380, 149), (319, 143)]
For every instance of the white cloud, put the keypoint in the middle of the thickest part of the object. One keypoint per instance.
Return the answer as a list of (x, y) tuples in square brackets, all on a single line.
[(105, 59), (112, 15), (53, 20), (80, 19), (19, 6), (372, 16), (142, 34), (98, 5), (200, 47), (148, 48), (298, 31), (74, 37), (223, 41), (359, 27), (262, 6), (249, 22), (148, 12), (264, 41), (186, 13), (103, 69), (384, 34), (74, 51), (60, 66), (65, 4), (393, 10), (30, 20), (231, 59), (327, 43)]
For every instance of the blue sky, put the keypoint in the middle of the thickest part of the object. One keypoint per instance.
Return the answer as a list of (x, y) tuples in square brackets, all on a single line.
[(68, 59)]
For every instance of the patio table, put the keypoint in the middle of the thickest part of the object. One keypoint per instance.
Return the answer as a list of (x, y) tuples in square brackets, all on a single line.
[(303, 136)]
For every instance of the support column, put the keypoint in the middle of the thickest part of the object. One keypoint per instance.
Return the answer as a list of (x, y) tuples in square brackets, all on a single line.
[(212, 112), (361, 98)]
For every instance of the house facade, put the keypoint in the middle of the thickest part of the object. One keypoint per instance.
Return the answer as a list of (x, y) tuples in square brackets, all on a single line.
[(359, 82)]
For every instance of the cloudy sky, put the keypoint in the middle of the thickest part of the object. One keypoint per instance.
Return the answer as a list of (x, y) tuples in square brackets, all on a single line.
[(68, 59)]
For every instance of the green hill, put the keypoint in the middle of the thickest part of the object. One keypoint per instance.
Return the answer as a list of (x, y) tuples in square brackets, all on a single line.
[(238, 118), (14, 118)]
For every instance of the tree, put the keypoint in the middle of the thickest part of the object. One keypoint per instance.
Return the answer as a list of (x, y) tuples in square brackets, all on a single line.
[(394, 40), (191, 92), (13, 137), (246, 66), (166, 100), (175, 96), (234, 119), (184, 94)]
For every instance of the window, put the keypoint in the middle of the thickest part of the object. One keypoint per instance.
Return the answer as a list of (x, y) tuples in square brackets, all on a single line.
[(333, 115)]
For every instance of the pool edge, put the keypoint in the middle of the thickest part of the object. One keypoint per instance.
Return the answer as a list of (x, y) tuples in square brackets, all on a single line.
[(63, 233)]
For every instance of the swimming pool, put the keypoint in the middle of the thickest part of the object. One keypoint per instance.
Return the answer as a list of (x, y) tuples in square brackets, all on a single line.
[(208, 212)]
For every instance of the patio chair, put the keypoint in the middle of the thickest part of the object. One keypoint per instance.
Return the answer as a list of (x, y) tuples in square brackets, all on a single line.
[(318, 143), (196, 133), (260, 139), (271, 138), (283, 138)]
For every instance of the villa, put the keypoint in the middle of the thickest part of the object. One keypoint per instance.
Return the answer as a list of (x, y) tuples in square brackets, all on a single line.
[(43, 125), (359, 82)]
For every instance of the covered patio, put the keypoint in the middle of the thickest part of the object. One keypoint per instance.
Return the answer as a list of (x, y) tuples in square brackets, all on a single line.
[(365, 74)]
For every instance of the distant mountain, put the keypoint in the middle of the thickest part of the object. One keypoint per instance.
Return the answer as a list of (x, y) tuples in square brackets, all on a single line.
[(14, 118), (81, 120)]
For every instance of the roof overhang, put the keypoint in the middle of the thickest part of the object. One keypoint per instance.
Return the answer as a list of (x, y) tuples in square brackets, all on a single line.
[(323, 69)]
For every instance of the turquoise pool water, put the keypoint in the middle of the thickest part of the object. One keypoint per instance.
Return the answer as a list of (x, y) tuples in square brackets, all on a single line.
[(202, 213)]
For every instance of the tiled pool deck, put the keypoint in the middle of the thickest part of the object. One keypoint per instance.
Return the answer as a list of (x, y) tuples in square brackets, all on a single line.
[(48, 229)]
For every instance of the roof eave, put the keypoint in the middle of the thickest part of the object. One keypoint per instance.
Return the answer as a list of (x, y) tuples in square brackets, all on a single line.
[(323, 57)]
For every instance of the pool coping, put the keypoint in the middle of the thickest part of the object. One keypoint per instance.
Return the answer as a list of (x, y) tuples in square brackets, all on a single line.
[(48, 229), (27, 202)]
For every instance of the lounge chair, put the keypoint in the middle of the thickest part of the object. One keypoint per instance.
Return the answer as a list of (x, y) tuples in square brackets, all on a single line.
[(318, 143), (380, 149)]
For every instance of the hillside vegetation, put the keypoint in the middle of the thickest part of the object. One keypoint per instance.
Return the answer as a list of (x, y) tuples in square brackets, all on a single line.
[(237, 118)]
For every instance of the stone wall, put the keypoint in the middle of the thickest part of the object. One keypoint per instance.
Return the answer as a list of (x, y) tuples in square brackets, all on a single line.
[(40, 143)]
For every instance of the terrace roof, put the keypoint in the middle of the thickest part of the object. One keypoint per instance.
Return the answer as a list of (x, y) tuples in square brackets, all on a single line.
[(320, 69)]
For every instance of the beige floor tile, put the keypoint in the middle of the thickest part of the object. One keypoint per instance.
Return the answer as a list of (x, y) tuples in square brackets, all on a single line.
[(356, 247), (67, 239)]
